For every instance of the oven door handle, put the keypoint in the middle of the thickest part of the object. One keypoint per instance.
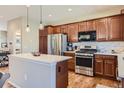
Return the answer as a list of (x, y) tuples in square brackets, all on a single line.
[(83, 57)]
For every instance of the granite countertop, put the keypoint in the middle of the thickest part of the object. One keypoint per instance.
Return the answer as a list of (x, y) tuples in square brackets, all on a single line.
[(45, 58)]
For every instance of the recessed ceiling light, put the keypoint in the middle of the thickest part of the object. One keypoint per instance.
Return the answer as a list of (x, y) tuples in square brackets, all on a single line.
[(50, 15), (28, 5), (69, 9)]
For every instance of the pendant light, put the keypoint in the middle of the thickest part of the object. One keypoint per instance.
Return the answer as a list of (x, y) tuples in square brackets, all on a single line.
[(27, 26), (41, 23)]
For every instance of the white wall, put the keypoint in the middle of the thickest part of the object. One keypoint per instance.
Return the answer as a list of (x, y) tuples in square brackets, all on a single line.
[(3, 37), (30, 40)]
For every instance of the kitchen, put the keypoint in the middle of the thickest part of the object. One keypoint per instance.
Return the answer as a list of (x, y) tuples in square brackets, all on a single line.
[(92, 48), (101, 37)]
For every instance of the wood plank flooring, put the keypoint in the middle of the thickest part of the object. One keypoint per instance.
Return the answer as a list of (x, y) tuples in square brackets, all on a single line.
[(77, 81)]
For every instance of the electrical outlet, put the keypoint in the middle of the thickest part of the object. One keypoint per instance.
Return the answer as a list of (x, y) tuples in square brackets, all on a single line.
[(25, 77)]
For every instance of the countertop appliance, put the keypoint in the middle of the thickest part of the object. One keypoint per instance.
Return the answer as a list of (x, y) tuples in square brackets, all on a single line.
[(85, 60), (69, 46), (57, 44), (87, 36)]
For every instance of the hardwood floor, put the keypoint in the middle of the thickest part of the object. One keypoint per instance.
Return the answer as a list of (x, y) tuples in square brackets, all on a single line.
[(81, 81), (78, 81)]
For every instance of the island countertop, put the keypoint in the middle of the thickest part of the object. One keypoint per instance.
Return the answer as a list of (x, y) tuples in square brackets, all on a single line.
[(46, 58)]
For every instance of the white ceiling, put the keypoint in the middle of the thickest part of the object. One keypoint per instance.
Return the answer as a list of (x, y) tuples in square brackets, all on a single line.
[(59, 13)]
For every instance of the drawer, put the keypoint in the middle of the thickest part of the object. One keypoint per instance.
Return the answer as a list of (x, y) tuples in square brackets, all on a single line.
[(69, 54), (105, 57), (109, 57), (99, 56)]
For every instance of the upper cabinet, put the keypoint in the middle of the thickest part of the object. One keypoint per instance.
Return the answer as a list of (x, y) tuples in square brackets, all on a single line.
[(82, 26), (114, 26), (87, 26), (107, 29), (102, 29), (122, 26), (49, 29), (91, 25), (64, 29), (73, 32), (56, 30)]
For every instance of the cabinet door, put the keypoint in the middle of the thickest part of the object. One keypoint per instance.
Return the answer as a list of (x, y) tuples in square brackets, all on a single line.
[(91, 25), (43, 44), (115, 31), (102, 29), (56, 30), (122, 26), (61, 75), (64, 29), (73, 32), (109, 68), (43, 32), (50, 30), (82, 26), (71, 62), (98, 66)]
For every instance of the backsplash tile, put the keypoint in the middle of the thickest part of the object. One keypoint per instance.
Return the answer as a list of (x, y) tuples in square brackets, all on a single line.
[(104, 46)]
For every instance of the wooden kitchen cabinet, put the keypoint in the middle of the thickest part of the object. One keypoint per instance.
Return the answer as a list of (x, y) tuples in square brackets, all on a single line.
[(87, 26), (56, 30), (122, 26), (109, 68), (105, 66), (82, 26), (73, 32), (43, 44), (64, 29), (99, 66), (71, 62), (49, 29), (114, 26), (62, 75), (102, 29), (43, 38), (91, 25)]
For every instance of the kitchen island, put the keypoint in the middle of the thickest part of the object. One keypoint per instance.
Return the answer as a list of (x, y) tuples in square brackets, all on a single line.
[(44, 71)]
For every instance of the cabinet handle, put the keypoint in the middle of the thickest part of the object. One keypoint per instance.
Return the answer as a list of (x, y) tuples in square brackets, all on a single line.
[(59, 69)]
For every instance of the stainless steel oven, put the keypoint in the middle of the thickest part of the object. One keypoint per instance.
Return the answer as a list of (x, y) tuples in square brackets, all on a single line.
[(85, 60), (84, 64)]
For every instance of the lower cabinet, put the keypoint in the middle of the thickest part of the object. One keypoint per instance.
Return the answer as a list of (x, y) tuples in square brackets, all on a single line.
[(99, 66), (61, 75), (71, 62), (106, 66)]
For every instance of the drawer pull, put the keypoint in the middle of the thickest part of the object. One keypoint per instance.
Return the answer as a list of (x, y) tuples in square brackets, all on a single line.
[(59, 69)]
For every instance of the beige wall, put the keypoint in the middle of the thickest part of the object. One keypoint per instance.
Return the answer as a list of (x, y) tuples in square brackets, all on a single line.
[(3, 37), (29, 39)]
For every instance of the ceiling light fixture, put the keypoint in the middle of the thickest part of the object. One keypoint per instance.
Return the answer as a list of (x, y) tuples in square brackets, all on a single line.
[(41, 23), (50, 15), (27, 26), (69, 9)]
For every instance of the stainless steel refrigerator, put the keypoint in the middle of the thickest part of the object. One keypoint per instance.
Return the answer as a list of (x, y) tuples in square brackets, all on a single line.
[(57, 44)]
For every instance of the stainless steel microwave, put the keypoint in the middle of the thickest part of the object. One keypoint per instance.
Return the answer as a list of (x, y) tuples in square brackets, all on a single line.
[(87, 36)]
